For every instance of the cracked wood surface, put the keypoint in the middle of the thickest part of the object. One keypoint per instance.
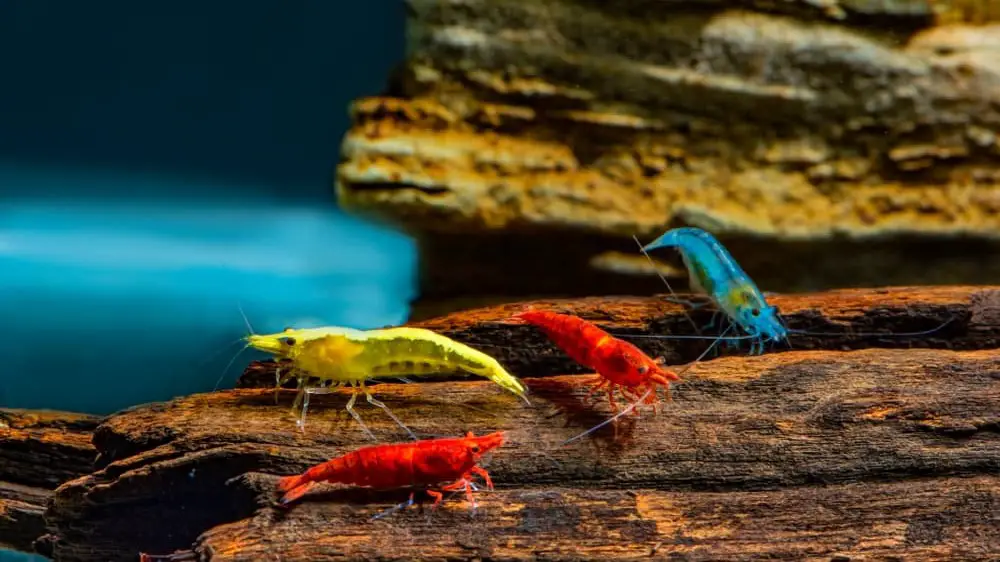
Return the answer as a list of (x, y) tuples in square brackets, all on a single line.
[(38, 451), (941, 519), (804, 454)]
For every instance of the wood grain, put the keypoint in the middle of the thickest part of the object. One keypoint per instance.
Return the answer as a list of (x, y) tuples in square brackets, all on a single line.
[(830, 452), (940, 519), (38, 451)]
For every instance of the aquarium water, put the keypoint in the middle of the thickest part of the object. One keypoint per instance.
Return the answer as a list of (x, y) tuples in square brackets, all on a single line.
[(112, 302)]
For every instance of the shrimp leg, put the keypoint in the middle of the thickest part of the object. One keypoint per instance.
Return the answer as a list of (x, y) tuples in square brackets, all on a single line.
[(485, 475), (301, 421), (460, 484), (357, 418), (299, 397), (715, 318), (611, 399), (438, 496), (598, 384), (371, 400), (280, 380), (394, 509)]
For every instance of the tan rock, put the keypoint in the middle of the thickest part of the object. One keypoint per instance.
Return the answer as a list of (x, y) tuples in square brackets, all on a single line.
[(593, 122)]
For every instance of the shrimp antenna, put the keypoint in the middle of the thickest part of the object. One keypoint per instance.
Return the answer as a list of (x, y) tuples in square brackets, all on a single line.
[(218, 351), (874, 334), (633, 405), (228, 365), (242, 349), (665, 282), (673, 337), (216, 354), (245, 319)]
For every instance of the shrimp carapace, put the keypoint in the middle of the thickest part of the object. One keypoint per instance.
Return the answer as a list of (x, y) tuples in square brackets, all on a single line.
[(713, 272), (447, 464), (619, 364), (347, 357)]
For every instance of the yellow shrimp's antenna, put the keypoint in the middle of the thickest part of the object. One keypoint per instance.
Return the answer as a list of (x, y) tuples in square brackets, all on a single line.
[(245, 319), (241, 350)]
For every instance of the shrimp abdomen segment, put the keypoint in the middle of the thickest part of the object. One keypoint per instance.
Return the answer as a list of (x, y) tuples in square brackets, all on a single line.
[(380, 353), (416, 351), (575, 336)]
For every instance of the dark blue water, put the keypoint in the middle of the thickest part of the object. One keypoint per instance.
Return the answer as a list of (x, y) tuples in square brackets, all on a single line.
[(162, 163)]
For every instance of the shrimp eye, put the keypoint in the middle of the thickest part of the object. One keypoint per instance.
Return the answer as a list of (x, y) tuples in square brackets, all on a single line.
[(755, 311), (290, 341), (643, 369), (474, 448)]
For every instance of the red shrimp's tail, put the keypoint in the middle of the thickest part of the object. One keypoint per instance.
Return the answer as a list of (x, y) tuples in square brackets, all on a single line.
[(289, 482), (296, 492), (524, 316), (534, 316)]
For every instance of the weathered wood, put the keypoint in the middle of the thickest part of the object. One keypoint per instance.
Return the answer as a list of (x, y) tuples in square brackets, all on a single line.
[(853, 138), (942, 519), (890, 430), (38, 451), (972, 313), (22, 515)]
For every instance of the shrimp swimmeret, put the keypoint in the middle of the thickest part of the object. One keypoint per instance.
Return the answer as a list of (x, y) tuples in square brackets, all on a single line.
[(348, 357)]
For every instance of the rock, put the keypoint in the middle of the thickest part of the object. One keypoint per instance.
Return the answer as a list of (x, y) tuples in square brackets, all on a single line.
[(867, 453), (38, 451), (843, 136)]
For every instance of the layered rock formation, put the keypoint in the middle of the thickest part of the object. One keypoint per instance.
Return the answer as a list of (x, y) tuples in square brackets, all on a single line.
[(838, 138)]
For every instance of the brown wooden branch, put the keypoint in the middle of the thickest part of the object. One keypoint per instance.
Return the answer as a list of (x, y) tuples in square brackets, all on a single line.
[(803, 454), (38, 451), (972, 313)]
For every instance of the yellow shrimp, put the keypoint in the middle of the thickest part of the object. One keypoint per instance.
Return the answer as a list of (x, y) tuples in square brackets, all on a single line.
[(348, 357)]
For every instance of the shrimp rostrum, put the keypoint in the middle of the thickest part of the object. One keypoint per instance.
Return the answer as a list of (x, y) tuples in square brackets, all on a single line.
[(447, 464), (347, 357)]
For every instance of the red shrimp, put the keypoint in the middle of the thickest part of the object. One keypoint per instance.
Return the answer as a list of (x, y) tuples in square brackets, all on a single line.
[(429, 462), (619, 364)]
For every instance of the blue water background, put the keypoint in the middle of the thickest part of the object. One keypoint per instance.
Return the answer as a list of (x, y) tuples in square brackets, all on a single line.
[(161, 163), (108, 303)]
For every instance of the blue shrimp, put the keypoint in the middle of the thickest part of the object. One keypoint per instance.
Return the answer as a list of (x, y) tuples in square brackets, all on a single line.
[(713, 272)]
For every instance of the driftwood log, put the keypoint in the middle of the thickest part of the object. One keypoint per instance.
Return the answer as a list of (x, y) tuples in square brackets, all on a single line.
[(809, 454), (853, 138)]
